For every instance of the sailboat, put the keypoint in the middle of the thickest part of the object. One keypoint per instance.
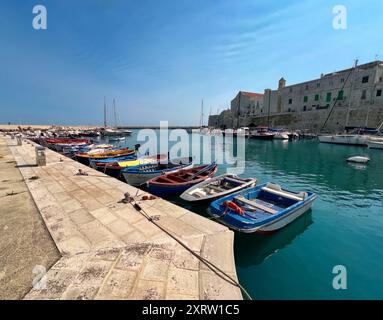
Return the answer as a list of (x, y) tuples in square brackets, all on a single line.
[(357, 137), (116, 131), (201, 129)]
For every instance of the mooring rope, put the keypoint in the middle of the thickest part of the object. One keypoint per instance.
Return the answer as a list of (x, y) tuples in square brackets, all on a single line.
[(219, 272)]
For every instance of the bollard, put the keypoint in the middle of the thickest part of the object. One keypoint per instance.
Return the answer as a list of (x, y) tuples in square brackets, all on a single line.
[(18, 139), (40, 156)]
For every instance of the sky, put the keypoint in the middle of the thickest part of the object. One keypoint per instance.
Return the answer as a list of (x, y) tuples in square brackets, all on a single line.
[(159, 59)]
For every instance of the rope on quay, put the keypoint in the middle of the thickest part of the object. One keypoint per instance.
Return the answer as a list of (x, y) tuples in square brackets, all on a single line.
[(219, 272)]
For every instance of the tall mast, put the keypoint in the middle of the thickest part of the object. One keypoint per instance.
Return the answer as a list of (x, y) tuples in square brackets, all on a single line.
[(115, 115), (201, 120), (239, 109), (104, 112), (351, 88)]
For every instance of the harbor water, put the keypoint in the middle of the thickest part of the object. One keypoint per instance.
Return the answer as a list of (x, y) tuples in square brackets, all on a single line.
[(344, 226)]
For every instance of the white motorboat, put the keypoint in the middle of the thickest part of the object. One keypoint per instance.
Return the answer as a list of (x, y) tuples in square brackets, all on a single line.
[(347, 139), (280, 135), (375, 143), (117, 132)]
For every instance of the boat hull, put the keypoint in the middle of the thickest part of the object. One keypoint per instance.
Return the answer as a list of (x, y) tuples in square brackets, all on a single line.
[(375, 144), (113, 172), (355, 140), (284, 221), (247, 224), (162, 191), (138, 179), (262, 137)]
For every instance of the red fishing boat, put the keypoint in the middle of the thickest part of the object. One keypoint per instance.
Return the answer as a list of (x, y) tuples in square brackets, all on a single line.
[(175, 183)]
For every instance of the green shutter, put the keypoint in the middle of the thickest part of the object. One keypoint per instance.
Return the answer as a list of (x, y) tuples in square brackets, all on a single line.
[(340, 95), (328, 97), (305, 99), (316, 97)]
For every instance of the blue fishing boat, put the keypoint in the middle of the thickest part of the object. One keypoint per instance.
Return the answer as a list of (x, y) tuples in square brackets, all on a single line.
[(264, 208), (138, 175)]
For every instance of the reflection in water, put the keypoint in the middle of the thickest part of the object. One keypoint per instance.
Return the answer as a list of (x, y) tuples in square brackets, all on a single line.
[(259, 247)]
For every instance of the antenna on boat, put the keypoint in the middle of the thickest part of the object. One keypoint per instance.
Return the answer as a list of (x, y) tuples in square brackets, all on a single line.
[(104, 112)]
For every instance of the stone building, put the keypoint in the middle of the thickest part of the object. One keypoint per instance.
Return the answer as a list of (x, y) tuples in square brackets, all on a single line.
[(213, 121), (246, 105), (350, 97)]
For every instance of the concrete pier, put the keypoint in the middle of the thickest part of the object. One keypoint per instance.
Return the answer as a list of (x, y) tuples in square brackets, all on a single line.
[(111, 251)]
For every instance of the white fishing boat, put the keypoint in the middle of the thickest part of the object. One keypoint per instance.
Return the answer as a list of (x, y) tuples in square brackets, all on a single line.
[(217, 187)]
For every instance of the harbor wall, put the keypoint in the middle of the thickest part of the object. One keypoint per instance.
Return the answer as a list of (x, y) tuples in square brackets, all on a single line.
[(315, 119)]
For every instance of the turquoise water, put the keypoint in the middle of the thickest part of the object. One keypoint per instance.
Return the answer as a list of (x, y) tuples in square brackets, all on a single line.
[(344, 227)]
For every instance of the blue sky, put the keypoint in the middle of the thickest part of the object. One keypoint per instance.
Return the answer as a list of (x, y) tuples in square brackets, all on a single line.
[(160, 58)]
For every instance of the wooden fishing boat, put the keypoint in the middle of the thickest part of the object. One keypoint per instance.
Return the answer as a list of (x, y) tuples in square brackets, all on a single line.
[(138, 175), (84, 157), (175, 183), (264, 208), (217, 187), (113, 166)]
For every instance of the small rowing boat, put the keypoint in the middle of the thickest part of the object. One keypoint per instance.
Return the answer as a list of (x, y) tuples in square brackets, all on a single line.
[(113, 166), (84, 157), (217, 187), (174, 183), (263, 208), (138, 175)]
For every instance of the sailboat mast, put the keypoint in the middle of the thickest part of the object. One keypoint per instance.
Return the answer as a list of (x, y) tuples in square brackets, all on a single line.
[(115, 115), (104, 112), (351, 88), (201, 120)]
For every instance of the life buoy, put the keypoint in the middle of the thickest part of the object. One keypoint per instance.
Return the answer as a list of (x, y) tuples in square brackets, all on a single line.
[(233, 206)]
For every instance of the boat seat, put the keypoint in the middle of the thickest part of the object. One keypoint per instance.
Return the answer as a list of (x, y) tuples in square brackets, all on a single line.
[(234, 180), (216, 188), (277, 190), (256, 205)]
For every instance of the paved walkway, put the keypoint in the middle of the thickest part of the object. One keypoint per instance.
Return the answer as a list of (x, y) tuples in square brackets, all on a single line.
[(111, 251), (26, 247)]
